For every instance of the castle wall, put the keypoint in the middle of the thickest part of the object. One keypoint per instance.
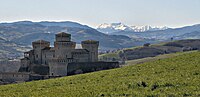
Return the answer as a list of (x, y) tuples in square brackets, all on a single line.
[(58, 67), (92, 47), (81, 57), (30, 56), (37, 50), (39, 69), (14, 77), (64, 49), (85, 67), (47, 55), (25, 65)]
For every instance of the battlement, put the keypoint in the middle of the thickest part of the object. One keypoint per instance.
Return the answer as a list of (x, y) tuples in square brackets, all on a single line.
[(61, 37), (90, 42), (58, 60), (41, 42), (63, 34)]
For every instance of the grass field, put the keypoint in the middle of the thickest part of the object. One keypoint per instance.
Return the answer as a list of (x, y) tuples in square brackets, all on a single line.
[(159, 57), (170, 77)]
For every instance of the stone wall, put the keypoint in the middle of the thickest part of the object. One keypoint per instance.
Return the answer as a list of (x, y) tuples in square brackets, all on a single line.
[(58, 67), (85, 67), (14, 77)]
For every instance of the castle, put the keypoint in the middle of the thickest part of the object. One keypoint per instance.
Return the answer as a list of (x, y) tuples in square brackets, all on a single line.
[(63, 59)]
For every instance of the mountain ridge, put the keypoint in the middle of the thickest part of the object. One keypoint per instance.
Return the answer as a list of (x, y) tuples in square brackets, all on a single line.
[(115, 27)]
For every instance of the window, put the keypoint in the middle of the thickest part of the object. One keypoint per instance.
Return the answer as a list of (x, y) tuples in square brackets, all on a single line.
[(36, 56)]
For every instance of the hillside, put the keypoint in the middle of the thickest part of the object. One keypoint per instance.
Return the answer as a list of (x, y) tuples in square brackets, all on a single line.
[(153, 50), (11, 50), (175, 76)]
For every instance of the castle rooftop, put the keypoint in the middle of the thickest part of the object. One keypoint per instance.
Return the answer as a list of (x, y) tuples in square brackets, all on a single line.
[(41, 41), (63, 34), (90, 41)]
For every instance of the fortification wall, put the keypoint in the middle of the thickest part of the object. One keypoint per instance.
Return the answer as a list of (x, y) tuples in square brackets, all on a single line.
[(58, 67), (85, 67), (14, 77)]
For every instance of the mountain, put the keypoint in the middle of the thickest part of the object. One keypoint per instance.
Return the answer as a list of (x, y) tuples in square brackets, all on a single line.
[(176, 75), (48, 23), (24, 32), (64, 24), (176, 33), (147, 28), (115, 27)]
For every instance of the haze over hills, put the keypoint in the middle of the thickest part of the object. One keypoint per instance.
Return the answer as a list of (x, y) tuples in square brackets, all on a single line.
[(115, 27), (25, 32), (21, 34)]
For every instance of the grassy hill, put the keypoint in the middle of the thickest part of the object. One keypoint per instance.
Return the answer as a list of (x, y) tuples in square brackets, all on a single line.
[(153, 50), (172, 77)]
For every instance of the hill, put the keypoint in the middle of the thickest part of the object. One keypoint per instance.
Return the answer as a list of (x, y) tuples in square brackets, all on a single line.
[(153, 50), (175, 76), (11, 50)]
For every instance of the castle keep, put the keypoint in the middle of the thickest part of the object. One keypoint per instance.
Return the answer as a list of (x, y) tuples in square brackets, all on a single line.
[(63, 59)]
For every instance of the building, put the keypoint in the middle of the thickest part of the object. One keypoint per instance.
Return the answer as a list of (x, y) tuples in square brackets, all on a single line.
[(14, 77), (63, 58)]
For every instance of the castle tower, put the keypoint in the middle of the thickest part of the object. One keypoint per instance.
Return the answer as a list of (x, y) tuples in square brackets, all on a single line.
[(37, 49), (62, 36), (63, 45), (92, 47)]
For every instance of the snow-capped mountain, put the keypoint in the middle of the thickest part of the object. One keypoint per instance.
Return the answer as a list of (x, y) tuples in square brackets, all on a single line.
[(115, 27), (147, 28)]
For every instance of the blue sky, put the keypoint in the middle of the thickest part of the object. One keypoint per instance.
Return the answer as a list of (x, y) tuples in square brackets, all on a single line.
[(172, 13)]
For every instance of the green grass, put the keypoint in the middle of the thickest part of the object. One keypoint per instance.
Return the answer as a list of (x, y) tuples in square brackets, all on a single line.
[(150, 59), (109, 55), (171, 77)]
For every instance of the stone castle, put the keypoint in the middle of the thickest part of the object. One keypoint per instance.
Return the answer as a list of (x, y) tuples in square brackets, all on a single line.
[(63, 59)]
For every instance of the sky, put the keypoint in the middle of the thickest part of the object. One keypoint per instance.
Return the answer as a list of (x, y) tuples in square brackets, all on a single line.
[(171, 13)]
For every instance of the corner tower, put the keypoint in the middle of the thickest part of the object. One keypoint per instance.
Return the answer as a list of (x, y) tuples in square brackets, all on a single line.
[(92, 47)]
